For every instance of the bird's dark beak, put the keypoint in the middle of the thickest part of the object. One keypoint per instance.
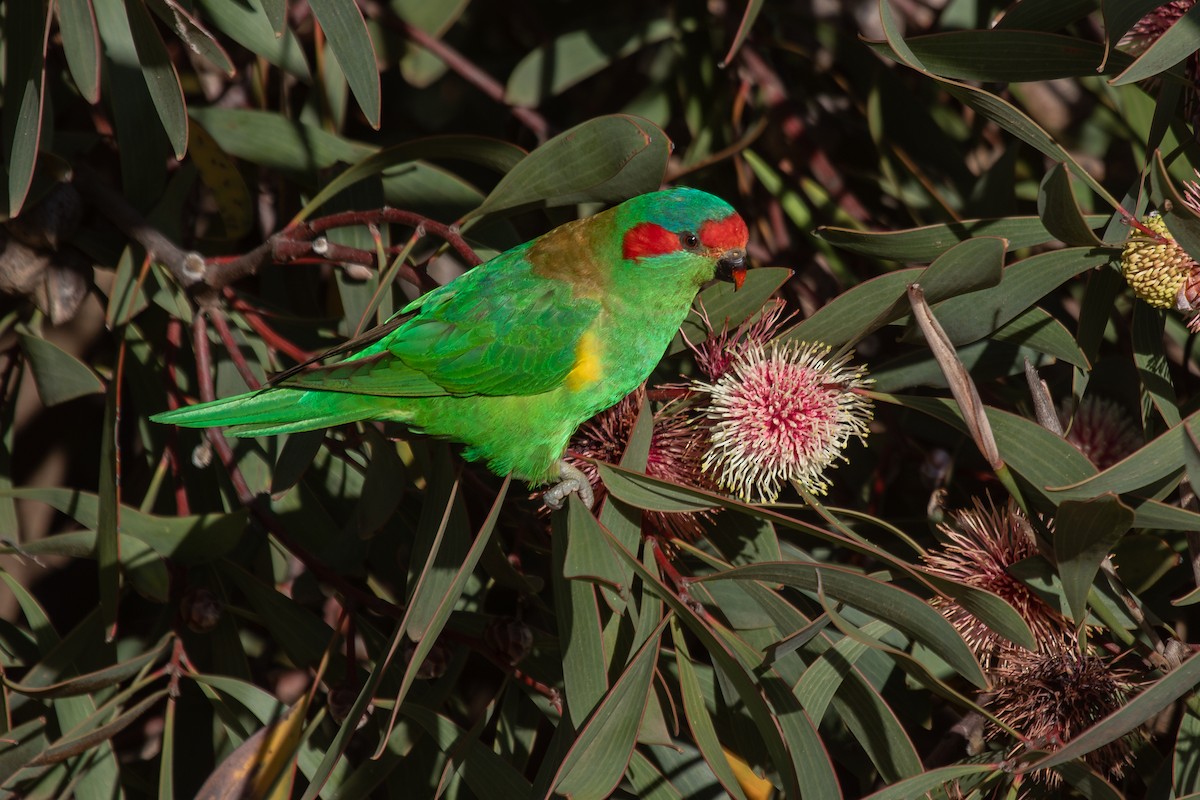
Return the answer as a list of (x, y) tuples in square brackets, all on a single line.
[(732, 267)]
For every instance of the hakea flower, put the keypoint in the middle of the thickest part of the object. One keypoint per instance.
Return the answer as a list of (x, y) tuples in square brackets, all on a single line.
[(1150, 29), (782, 412), (1101, 430), (677, 443), (716, 354), (1154, 265), (1055, 693), (982, 543)]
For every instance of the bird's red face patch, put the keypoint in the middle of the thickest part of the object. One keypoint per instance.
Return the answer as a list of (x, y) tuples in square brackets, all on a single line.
[(725, 234), (647, 239)]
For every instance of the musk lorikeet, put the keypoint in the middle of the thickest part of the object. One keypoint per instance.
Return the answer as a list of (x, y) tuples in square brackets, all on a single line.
[(512, 356)]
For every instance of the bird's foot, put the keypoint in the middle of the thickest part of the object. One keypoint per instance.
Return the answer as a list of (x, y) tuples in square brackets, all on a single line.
[(572, 480)]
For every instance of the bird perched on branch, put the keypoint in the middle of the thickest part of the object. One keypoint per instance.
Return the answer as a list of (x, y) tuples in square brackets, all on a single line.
[(512, 356)]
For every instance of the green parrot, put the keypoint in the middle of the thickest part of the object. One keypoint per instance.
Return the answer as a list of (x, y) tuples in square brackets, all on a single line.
[(513, 355)]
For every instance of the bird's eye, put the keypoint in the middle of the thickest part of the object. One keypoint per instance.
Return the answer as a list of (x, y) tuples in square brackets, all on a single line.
[(689, 240)]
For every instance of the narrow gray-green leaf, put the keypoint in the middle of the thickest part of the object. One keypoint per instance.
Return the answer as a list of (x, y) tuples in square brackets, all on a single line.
[(575, 56), (1173, 46), (903, 610), (192, 33), (605, 159), (929, 242), (254, 25), (59, 375), (159, 72), (919, 786), (1156, 460), (346, 32), (81, 45), (596, 761), (1084, 534), (26, 32), (1060, 212), (697, 717)]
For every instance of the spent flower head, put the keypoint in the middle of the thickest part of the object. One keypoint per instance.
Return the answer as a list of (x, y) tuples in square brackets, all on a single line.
[(779, 413), (982, 543), (1055, 693), (677, 443)]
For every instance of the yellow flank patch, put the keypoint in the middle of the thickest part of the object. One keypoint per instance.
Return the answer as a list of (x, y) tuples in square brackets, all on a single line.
[(587, 369)]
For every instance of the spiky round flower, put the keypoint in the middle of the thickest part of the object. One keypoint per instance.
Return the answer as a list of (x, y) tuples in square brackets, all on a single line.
[(783, 412), (1102, 431), (1052, 695), (717, 352), (982, 543), (1154, 264), (677, 443)]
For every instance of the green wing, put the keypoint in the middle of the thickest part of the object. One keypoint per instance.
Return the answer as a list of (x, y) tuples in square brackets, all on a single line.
[(497, 330)]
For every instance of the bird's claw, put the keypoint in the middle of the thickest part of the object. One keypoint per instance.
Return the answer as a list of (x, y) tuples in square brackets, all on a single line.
[(573, 480)]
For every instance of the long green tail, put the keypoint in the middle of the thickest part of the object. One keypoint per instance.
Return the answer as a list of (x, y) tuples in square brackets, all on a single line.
[(273, 411)]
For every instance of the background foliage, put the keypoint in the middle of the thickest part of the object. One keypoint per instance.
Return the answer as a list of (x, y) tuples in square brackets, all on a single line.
[(189, 617)]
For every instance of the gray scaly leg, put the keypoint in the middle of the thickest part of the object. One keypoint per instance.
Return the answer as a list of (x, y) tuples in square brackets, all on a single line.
[(573, 480)]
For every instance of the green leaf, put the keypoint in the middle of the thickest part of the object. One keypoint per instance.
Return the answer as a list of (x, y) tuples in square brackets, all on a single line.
[(697, 717), (81, 45), (351, 45), (597, 759), (59, 375), (26, 32), (968, 317), (746, 686), (108, 545), (1150, 358), (929, 242), (1035, 453), (919, 786), (991, 107), (188, 540), (969, 266), (1045, 16), (1160, 458), (1186, 762), (1038, 330), (192, 33), (1084, 534), (491, 153), (139, 128), (96, 680), (583, 660), (753, 8), (902, 610), (1172, 47), (1009, 56), (1120, 16), (487, 773), (575, 56), (270, 140), (606, 159), (1152, 700), (1060, 212), (159, 74), (261, 27)]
